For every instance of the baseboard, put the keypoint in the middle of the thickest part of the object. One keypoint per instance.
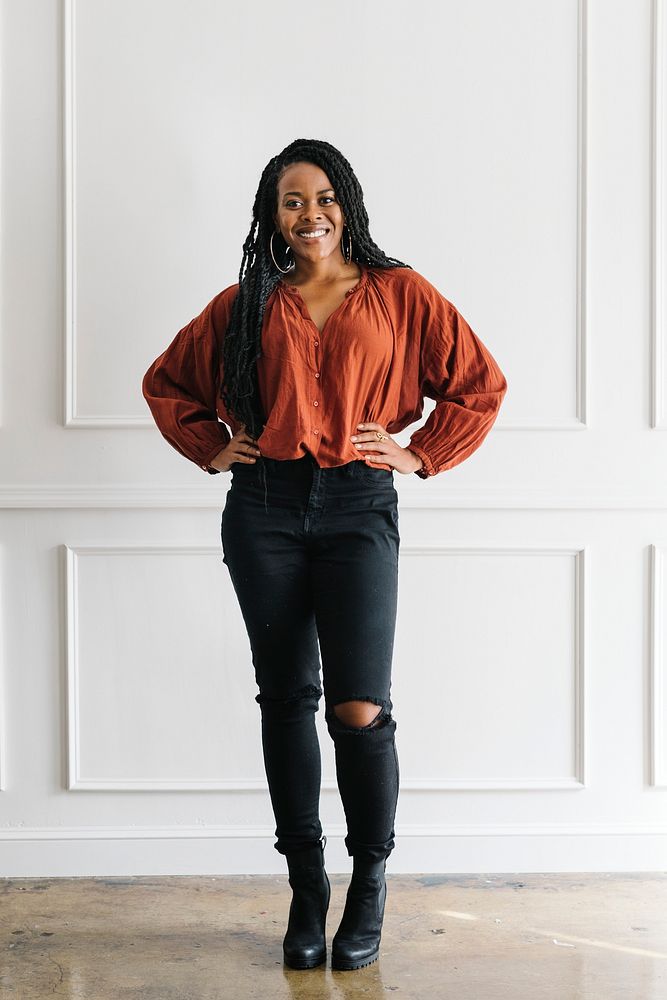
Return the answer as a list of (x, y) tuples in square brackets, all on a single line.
[(211, 851)]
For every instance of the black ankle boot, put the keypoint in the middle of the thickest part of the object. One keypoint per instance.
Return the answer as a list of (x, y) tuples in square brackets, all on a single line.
[(357, 941), (304, 944)]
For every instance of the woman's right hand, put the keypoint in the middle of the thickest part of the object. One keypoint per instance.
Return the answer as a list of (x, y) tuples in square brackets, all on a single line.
[(241, 448)]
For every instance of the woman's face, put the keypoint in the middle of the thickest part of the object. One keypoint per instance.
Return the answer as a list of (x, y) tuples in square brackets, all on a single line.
[(307, 204)]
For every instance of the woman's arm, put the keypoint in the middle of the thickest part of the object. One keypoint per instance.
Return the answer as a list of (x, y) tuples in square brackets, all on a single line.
[(181, 385), (461, 374)]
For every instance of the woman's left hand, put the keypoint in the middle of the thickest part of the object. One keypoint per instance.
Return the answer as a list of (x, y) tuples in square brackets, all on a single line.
[(387, 451)]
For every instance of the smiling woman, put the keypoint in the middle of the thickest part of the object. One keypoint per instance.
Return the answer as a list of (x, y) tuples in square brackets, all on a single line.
[(323, 349)]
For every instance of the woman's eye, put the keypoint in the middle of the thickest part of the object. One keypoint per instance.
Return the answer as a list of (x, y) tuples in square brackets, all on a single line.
[(291, 202)]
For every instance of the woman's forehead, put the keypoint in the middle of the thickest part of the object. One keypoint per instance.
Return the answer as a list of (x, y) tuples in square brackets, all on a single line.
[(303, 173)]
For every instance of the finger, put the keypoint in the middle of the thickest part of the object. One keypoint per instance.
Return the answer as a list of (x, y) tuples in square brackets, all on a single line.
[(368, 435), (246, 447), (379, 458), (364, 443)]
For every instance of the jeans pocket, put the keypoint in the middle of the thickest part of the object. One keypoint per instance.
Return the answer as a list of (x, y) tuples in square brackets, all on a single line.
[(378, 477)]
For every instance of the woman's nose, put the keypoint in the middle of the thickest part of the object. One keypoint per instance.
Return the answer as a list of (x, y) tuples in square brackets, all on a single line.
[(311, 214)]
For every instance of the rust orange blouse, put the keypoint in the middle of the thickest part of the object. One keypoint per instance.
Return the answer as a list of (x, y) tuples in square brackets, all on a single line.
[(394, 340)]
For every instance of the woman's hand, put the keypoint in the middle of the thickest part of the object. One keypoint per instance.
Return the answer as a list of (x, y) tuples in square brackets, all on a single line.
[(241, 448), (388, 452)]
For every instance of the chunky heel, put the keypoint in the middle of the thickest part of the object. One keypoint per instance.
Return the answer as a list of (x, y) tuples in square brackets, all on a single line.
[(304, 944)]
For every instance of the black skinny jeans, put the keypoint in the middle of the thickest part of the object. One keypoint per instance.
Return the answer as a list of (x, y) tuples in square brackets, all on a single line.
[(313, 558)]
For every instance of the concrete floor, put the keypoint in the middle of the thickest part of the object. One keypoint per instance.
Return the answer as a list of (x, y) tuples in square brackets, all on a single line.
[(566, 937)]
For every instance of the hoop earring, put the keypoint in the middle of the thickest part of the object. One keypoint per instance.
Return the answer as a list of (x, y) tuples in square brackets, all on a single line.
[(282, 270), (347, 257)]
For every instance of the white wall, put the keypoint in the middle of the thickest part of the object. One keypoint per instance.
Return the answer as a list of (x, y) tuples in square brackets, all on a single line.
[(506, 151)]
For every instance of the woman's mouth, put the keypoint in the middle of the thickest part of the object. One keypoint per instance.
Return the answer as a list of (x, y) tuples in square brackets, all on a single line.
[(313, 234)]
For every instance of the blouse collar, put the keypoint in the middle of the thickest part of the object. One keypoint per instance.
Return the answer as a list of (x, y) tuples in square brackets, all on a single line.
[(363, 278)]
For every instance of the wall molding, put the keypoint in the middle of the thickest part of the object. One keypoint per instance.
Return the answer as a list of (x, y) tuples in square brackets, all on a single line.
[(432, 496), (658, 213), (582, 366), (3, 678), (73, 554), (657, 680), (448, 850), (213, 831), (72, 418)]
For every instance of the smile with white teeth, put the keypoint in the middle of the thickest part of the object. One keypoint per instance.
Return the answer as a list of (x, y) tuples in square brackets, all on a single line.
[(315, 233)]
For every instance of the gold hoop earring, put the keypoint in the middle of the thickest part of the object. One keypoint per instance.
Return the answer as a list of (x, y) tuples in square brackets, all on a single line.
[(282, 270), (347, 257)]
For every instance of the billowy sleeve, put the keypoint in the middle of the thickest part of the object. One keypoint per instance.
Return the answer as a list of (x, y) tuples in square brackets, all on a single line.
[(459, 372), (181, 386)]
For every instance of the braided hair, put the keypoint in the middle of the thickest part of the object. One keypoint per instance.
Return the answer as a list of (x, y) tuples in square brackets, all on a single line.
[(258, 275)]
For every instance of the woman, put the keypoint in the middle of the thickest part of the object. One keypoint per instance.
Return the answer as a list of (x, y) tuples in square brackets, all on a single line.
[(322, 350)]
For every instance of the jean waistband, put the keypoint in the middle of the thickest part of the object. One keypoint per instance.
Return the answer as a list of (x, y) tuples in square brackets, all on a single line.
[(294, 468)]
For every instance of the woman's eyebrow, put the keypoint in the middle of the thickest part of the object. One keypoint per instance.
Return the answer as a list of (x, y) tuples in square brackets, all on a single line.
[(299, 192)]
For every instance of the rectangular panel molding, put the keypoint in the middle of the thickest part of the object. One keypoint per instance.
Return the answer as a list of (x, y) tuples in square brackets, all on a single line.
[(658, 678), (133, 690), (658, 215), (74, 368)]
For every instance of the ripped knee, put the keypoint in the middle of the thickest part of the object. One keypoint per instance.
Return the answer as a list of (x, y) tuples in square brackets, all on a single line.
[(359, 714)]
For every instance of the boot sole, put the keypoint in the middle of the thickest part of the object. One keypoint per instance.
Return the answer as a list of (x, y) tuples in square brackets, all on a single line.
[(342, 966), (311, 963)]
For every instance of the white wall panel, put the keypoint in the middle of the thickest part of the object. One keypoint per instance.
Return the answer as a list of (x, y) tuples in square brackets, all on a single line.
[(659, 216), (160, 693), (491, 685), (167, 699), (658, 686), (3, 667), (144, 145)]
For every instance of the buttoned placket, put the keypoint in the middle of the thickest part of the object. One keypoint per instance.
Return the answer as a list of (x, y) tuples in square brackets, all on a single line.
[(316, 343)]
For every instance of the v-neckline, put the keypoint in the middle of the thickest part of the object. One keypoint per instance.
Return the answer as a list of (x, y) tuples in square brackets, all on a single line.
[(305, 312)]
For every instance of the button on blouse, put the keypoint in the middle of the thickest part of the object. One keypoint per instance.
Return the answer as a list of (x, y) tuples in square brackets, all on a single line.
[(393, 341)]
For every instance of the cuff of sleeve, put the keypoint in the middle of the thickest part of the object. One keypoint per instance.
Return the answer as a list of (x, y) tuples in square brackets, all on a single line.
[(427, 469), (211, 455)]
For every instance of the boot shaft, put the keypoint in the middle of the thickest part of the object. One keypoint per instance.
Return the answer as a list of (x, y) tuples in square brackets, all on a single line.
[(362, 867), (310, 858)]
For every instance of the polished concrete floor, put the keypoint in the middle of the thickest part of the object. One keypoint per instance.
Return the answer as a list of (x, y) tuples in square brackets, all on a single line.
[(506, 937)]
